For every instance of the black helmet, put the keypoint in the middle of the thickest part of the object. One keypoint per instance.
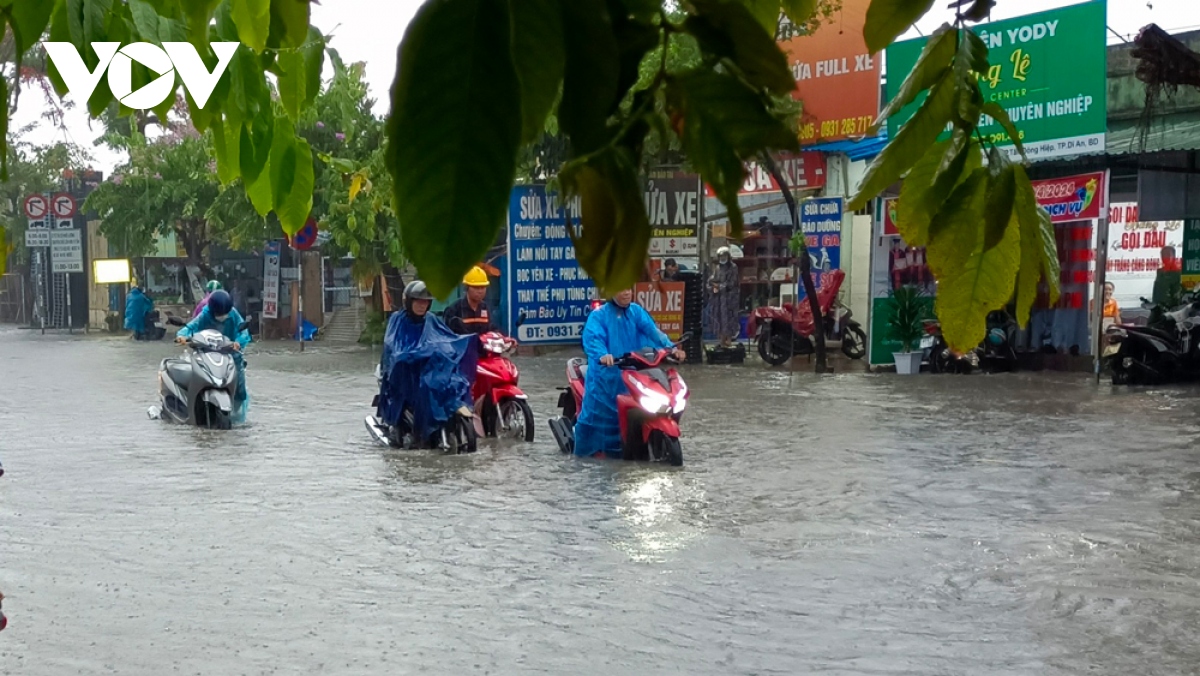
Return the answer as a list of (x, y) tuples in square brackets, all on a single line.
[(416, 290), (219, 303)]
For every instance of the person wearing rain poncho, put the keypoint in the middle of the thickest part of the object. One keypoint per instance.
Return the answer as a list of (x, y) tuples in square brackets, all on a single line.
[(427, 367), (137, 306), (617, 328), (219, 314)]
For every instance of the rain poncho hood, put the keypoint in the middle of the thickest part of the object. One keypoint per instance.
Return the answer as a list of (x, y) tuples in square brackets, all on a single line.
[(137, 304), (428, 368), (228, 328), (615, 331)]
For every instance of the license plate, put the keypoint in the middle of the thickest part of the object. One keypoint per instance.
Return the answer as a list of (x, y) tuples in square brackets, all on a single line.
[(926, 342)]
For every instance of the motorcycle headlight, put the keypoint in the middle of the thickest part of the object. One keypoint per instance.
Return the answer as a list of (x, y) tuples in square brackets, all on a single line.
[(651, 401), (681, 399)]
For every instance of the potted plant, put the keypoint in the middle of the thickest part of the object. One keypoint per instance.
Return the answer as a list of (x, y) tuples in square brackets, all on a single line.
[(907, 311)]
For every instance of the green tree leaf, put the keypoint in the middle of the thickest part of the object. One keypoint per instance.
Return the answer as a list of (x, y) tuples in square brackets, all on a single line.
[(5, 246), (261, 193), (253, 19), (727, 29), (539, 54), (226, 142), (969, 63), (254, 146), (591, 76), (930, 68), (972, 281), (910, 144), (993, 109), (616, 233), (314, 62), (289, 23), (724, 122), (799, 11), (293, 81), (145, 20), (28, 21), (291, 177), (1039, 248), (887, 19), (766, 12), (199, 13), (1001, 194), (453, 136)]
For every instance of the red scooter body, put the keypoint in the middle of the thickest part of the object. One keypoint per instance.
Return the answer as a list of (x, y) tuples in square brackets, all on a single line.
[(498, 399)]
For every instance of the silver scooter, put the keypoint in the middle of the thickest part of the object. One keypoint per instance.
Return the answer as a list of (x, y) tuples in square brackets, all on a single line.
[(199, 387)]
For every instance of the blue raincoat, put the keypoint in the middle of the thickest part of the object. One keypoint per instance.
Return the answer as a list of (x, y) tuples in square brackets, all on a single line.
[(137, 305), (613, 331), (205, 320), (429, 369)]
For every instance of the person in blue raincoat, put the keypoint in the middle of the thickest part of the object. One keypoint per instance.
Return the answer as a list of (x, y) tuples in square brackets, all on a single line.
[(427, 368), (137, 306), (220, 314), (618, 327)]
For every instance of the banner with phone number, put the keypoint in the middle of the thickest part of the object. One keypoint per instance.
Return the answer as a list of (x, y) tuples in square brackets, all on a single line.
[(545, 281)]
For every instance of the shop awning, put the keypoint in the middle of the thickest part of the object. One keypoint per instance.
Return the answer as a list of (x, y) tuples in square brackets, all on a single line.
[(1180, 131), (856, 150)]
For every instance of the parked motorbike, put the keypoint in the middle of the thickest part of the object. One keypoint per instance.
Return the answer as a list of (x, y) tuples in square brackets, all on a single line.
[(153, 326), (939, 355), (998, 351), (199, 388), (784, 332), (649, 412), (1167, 350)]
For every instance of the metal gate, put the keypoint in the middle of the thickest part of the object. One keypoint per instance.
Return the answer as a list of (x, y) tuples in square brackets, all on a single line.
[(337, 284), (15, 300)]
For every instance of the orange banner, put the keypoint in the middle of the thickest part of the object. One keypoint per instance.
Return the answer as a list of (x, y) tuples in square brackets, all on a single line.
[(837, 78), (664, 302)]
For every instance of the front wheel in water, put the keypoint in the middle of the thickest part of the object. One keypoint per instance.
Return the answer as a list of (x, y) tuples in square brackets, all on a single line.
[(854, 342), (463, 432), (516, 420), (665, 449)]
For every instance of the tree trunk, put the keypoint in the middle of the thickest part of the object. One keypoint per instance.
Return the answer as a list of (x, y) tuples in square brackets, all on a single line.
[(193, 233), (810, 289)]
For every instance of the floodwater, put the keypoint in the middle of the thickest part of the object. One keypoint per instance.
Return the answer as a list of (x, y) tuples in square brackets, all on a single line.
[(851, 524)]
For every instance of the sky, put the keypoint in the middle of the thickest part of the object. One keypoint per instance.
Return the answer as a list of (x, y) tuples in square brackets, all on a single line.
[(370, 31)]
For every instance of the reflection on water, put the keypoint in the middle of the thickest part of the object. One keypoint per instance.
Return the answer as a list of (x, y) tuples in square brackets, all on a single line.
[(854, 524)]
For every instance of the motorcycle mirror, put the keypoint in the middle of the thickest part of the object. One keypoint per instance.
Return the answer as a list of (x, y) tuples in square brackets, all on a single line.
[(521, 319), (687, 337), (243, 326), (176, 321)]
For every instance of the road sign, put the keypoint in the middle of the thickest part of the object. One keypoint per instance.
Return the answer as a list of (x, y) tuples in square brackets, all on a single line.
[(63, 224), (63, 205), (38, 224), (36, 238), (36, 206), (66, 251)]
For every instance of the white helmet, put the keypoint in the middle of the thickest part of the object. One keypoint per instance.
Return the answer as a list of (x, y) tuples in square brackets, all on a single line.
[(723, 251)]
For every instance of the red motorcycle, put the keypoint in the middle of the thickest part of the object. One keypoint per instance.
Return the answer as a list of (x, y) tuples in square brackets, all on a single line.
[(649, 412), (501, 405), (784, 332)]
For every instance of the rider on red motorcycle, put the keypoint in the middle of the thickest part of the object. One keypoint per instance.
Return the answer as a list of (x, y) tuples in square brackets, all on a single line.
[(618, 327), (472, 310)]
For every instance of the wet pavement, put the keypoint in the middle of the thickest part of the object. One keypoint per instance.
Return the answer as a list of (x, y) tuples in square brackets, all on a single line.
[(851, 524)]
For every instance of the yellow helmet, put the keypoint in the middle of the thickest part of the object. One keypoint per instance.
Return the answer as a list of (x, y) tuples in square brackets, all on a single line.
[(476, 277)]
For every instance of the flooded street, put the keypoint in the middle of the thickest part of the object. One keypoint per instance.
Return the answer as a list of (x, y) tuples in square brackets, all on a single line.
[(853, 524)]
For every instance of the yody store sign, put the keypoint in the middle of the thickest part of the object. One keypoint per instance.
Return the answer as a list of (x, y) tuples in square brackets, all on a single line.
[(1048, 72)]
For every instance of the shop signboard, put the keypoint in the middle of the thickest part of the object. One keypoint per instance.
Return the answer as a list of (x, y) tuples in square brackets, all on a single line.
[(821, 222), (545, 281), (270, 293), (1047, 70), (66, 251), (1072, 198), (1135, 252), (1191, 253), (664, 301), (673, 208), (802, 171), (836, 76)]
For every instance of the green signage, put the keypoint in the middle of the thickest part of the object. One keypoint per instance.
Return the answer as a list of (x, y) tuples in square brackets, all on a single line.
[(1047, 70), (1191, 253)]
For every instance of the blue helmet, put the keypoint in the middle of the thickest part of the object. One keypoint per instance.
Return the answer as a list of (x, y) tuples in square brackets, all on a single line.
[(219, 303)]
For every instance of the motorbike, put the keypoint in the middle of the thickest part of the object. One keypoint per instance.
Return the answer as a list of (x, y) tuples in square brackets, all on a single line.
[(1167, 350), (649, 412), (455, 436), (153, 326), (784, 332), (998, 351), (939, 355), (502, 406), (199, 388)]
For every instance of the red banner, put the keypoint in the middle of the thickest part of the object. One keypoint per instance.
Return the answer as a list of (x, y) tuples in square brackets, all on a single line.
[(664, 302), (802, 171), (1073, 198)]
